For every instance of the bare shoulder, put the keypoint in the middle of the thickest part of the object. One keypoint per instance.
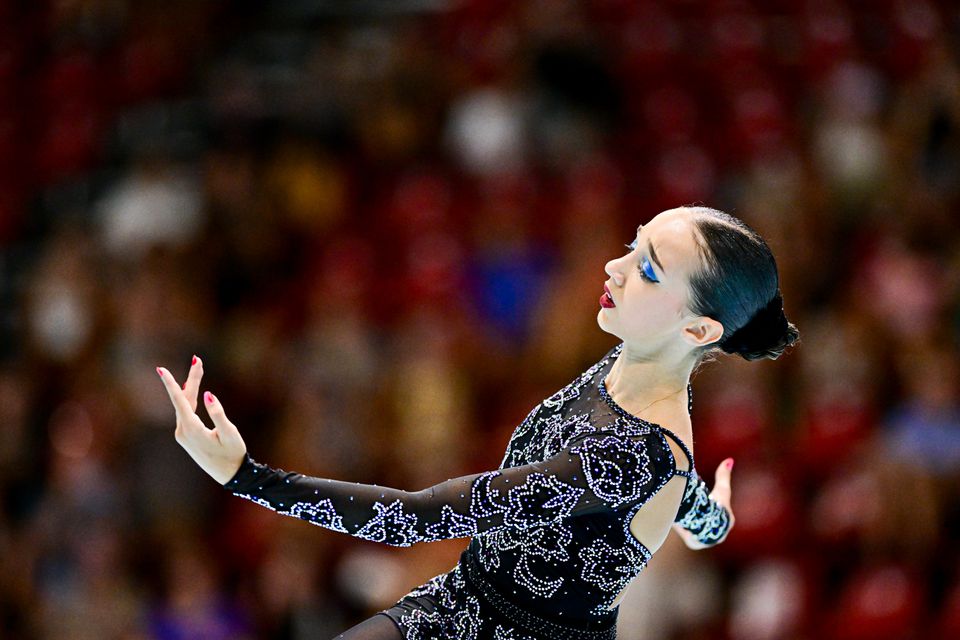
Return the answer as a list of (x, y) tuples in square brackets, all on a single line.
[(679, 426)]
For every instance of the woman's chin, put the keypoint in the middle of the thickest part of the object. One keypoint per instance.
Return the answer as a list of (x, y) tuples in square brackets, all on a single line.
[(603, 323)]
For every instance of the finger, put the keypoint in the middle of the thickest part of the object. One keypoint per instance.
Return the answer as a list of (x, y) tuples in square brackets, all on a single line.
[(224, 427), (180, 402), (722, 487), (192, 386)]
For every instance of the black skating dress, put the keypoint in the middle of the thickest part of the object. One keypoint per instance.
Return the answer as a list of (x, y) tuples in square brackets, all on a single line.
[(551, 547)]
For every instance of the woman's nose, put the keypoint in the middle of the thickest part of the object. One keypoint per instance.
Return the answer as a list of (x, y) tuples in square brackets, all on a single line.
[(611, 269)]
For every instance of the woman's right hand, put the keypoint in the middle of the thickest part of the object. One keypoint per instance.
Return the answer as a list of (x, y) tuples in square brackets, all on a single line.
[(219, 451)]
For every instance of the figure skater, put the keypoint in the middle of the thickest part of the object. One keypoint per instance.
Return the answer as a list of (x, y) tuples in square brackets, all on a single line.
[(592, 480)]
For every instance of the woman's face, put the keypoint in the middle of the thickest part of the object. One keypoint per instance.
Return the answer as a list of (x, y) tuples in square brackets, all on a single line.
[(649, 285)]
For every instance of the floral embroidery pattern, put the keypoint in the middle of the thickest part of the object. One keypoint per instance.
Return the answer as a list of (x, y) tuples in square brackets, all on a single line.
[(703, 516), (616, 472)]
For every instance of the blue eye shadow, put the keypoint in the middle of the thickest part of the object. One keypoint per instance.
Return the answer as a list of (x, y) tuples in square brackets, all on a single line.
[(648, 270)]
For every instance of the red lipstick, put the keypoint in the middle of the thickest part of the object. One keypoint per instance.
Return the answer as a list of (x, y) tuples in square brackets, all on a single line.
[(606, 300)]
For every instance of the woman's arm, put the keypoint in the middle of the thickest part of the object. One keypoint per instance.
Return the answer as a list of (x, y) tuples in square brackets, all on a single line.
[(600, 471), (705, 518), (577, 480)]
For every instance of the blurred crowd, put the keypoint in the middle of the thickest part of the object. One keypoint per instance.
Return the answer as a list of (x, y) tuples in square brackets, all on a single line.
[(383, 226)]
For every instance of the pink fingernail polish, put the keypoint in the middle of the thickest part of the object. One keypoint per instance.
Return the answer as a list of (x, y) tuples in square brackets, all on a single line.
[(159, 372), (208, 397), (194, 360), (730, 463)]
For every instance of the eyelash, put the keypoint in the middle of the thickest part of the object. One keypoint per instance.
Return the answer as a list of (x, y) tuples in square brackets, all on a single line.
[(643, 274)]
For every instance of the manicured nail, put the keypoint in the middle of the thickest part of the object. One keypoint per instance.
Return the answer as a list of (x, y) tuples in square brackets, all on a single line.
[(730, 463), (208, 397), (159, 372), (194, 360)]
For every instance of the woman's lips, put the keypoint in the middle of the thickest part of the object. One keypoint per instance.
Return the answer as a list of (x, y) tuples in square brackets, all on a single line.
[(606, 300)]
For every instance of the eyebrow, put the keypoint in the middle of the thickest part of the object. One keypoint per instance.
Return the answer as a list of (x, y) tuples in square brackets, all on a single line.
[(653, 254)]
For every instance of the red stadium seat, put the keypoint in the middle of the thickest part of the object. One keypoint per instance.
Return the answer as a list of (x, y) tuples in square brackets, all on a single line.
[(947, 622), (884, 602), (829, 432), (769, 516)]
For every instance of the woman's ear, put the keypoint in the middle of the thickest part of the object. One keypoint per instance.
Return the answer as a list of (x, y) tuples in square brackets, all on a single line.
[(703, 331)]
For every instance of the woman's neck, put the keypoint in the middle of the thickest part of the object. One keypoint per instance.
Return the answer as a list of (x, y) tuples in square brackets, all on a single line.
[(636, 383)]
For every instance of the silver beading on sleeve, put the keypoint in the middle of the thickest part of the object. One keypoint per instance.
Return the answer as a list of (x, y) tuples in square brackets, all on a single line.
[(706, 518)]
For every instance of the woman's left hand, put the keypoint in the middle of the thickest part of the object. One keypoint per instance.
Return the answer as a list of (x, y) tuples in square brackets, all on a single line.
[(721, 494), (219, 451)]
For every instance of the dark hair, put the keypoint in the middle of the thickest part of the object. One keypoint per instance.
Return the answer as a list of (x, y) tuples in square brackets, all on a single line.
[(738, 285)]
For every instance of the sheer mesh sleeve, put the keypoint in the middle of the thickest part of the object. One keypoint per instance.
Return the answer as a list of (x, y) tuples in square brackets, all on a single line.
[(601, 471), (700, 514)]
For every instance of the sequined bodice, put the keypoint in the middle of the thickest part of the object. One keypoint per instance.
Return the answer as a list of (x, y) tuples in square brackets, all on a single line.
[(589, 558), (549, 527)]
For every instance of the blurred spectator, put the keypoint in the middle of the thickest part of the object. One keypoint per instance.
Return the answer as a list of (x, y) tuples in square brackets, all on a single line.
[(156, 203), (192, 606), (924, 430)]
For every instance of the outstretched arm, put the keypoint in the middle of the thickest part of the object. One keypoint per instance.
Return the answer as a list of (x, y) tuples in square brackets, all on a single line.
[(598, 471), (705, 518), (575, 481)]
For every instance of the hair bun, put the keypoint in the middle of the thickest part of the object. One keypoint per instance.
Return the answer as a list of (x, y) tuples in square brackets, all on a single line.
[(766, 334)]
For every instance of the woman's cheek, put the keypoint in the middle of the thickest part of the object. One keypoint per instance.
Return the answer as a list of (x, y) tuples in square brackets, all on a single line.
[(659, 313)]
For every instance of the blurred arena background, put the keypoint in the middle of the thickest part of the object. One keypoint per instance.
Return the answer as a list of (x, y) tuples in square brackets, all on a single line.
[(383, 225)]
